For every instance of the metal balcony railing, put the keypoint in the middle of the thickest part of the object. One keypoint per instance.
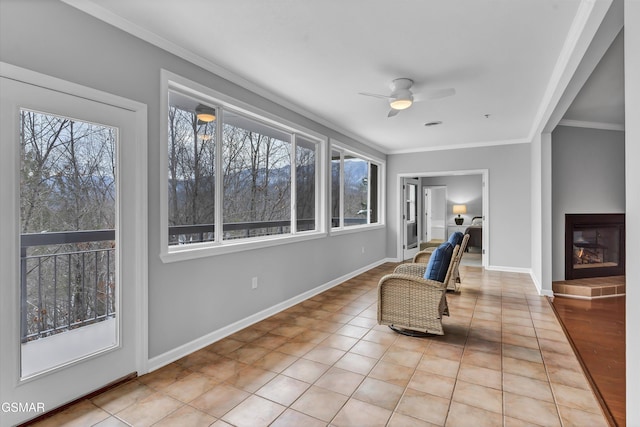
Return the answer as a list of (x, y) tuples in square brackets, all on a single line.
[(67, 281), (185, 234), (68, 278)]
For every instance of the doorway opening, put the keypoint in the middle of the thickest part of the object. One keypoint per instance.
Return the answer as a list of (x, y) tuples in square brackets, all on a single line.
[(462, 187)]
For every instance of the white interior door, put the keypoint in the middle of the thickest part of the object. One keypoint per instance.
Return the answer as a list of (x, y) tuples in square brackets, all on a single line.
[(73, 252), (438, 214)]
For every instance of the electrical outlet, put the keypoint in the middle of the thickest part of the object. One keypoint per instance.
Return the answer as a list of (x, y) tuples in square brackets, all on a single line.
[(363, 249), (254, 283)]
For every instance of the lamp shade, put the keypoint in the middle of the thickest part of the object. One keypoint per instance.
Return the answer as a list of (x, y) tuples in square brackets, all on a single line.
[(459, 209)]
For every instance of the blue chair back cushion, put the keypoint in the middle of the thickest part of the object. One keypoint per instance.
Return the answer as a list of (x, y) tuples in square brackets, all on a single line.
[(456, 238), (439, 262)]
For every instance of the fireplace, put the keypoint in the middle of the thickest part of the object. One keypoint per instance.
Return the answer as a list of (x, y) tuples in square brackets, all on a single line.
[(594, 245)]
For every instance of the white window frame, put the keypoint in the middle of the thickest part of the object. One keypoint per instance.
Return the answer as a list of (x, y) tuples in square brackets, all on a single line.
[(177, 83), (343, 149)]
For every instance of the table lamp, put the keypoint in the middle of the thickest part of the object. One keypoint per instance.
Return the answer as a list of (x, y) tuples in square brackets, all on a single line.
[(459, 209)]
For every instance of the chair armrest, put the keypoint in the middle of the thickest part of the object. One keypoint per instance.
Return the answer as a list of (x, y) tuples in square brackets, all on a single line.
[(423, 256), (415, 282), (411, 269)]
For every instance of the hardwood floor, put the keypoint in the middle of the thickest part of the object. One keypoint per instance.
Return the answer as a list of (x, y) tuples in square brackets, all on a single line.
[(597, 329)]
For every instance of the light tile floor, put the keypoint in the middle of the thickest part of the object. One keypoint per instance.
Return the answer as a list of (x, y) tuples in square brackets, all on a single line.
[(504, 361)]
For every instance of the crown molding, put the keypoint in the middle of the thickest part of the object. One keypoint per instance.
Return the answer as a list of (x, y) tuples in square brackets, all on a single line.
[(591, 125), (99, 12), (463, 146)]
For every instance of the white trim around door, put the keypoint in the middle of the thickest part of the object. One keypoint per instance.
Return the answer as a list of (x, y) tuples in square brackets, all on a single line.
[(485, 206)]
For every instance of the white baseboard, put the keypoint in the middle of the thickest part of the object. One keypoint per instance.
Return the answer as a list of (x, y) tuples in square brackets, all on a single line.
[(199, 343), (538, 285), (508, 269), (546, 293)]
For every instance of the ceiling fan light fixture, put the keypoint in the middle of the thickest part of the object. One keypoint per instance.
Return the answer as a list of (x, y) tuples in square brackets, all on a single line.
[(400, 104), (401, 100), (205, 114)]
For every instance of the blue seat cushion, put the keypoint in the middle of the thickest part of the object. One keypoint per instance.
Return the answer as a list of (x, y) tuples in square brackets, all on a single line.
[(456, 238), (439, 262)]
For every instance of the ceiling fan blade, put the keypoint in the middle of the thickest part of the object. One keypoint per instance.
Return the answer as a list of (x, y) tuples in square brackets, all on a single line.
[(375, 95), (435, 94), (393, 113)]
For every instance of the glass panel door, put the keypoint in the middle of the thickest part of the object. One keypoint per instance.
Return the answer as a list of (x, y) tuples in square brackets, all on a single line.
[(410, 216), (73, 249)]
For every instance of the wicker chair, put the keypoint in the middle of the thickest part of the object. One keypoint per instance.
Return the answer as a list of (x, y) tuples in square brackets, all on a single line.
[(422, 257), (407, 302)]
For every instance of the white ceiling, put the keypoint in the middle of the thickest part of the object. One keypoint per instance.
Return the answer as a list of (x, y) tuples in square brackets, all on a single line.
[(315, 56)]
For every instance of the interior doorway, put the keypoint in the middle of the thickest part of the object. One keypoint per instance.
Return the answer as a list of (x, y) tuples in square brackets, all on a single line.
[(478, 209)]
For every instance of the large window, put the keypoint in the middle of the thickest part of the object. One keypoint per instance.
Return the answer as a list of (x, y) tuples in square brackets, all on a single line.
[(355, 190), (235, 177)]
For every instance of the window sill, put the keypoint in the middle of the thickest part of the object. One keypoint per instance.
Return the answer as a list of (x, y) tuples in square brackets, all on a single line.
[(204, 250), (355, 229)]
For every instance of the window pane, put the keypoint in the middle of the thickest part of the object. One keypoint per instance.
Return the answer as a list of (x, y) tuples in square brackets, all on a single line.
[(68, 277), (373, 194), (356, 194), (335, 189), (305, 184), (191, 173), (411, 202), (257, 178)]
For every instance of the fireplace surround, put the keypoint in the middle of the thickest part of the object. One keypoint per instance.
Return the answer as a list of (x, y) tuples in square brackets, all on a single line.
[(594, 245)]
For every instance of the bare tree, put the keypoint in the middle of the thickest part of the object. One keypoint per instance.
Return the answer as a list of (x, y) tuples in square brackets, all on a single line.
[(191, 169), (305, 182), (256, 173), (257, 176)]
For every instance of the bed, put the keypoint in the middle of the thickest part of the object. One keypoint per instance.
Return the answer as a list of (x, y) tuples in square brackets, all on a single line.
[(475, 234)]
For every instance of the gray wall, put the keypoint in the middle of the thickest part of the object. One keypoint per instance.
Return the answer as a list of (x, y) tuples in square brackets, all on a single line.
[(587, 177), (509, 195), (461, 189), (189, 299)]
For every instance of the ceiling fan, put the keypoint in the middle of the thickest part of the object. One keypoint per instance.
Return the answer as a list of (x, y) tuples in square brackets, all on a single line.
[(402, 98)]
